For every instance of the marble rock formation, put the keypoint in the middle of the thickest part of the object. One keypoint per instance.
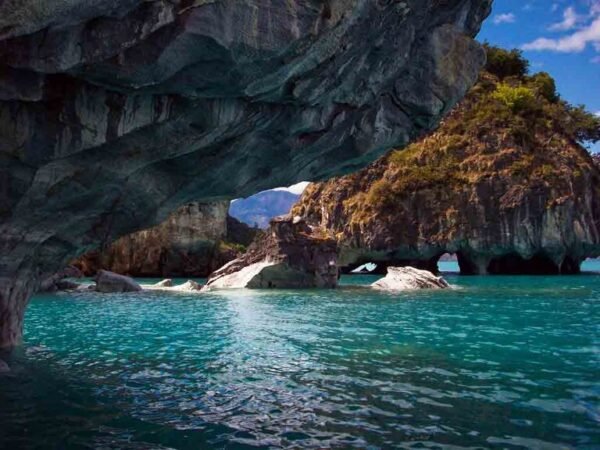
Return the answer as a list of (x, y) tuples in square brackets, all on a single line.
[(194, 241), (409, 278), (288, 255), (507, 192), (115, 113), (109, 282)]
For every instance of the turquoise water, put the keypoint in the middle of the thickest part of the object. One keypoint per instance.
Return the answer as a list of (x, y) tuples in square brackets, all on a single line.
[(498, 362)]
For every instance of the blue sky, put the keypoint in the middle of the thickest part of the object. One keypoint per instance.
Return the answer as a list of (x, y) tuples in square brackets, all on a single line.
[(561, 37)]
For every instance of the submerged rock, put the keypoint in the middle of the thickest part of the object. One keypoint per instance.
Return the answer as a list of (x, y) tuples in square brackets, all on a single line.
[(113, 114), (288, 255), (112, 282), (409, 278), (4, 367)]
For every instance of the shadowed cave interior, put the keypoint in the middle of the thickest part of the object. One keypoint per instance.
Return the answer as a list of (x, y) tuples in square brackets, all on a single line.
[(509, 264)]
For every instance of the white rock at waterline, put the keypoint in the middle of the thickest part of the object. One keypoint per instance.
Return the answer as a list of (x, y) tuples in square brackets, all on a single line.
[(188, 286), (164, 283), (409, 278), (243, 278)]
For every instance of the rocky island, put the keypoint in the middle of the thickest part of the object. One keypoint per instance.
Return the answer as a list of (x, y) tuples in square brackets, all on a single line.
[(503, 183)]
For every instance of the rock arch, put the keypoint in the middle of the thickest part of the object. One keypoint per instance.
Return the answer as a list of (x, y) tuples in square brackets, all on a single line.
[(113, 114)]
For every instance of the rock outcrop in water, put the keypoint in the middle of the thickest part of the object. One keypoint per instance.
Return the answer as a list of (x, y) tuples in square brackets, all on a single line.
[(109, 282), (290, 254), (408, 278), (114, 114), (503, 184), (193, 242), (59, 281)]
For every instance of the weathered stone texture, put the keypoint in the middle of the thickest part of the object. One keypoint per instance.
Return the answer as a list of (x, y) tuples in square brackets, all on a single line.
[(114, 114), (288, 255), (400, 279), (191, 242)]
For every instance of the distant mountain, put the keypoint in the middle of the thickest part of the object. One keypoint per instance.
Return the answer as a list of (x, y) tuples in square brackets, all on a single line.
[(262, 207)]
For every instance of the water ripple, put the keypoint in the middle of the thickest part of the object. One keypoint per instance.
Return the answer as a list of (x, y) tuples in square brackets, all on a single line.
[(477, 367)]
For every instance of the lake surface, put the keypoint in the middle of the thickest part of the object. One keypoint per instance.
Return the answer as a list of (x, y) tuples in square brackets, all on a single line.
[(497, 362)]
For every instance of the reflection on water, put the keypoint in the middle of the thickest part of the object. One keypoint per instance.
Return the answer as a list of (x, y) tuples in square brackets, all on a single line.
[(503, 362)]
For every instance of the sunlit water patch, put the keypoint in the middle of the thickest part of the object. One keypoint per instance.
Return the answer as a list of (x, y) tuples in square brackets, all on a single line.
[(497, 362)]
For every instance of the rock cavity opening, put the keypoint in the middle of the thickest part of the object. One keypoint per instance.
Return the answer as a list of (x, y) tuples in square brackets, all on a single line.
[(539, 264), (380, 266)]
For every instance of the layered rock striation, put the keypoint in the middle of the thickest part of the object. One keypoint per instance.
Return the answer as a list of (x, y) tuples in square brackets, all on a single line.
[(114, 114), (194, 241), (503, 184), (290, 254)]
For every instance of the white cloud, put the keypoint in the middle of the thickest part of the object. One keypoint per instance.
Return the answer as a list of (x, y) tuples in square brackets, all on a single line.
[(573, 43), (504, 18), (295, 188), (570, 19)]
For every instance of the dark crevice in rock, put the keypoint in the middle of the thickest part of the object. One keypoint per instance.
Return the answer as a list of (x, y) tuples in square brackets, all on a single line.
[(467, 265), (570, 266), (514, 264)]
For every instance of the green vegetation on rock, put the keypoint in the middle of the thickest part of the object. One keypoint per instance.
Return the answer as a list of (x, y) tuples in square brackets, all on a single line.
[(505, 174)]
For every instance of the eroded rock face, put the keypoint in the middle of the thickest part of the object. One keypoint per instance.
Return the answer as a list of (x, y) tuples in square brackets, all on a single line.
[(288, 255), (194, 241), (507, 198), (497, 225), (114, 114), (408, 278)]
